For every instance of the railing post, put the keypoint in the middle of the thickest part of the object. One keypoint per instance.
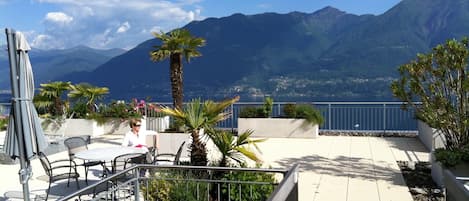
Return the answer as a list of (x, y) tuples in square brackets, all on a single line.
[(384, 117), (137, 183), (279, 110), (329, 118), (232, 118)]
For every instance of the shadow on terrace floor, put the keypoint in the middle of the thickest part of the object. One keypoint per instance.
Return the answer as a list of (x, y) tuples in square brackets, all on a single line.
[(344, 167)]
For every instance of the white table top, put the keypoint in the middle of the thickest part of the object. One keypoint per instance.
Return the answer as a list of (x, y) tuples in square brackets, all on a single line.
[(107, 153)]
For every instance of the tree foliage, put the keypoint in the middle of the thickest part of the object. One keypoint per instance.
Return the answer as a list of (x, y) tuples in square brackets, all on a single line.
[(50, 95), (176, 45), (439, 81), (88, 94), (197, 115)]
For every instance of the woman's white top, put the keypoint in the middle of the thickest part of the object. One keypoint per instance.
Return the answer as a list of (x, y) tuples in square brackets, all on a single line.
[(132, 140)]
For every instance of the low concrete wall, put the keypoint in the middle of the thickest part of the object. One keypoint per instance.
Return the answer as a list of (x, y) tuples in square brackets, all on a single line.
[(278, 127), (170, 142)]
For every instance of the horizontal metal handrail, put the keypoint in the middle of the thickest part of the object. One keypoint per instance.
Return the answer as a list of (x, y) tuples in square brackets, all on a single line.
[(112, 187), (287, 190)]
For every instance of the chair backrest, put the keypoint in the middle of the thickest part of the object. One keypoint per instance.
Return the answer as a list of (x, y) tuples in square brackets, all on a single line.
[(178, 153), (74, 145), (45, 163), (123, 161)]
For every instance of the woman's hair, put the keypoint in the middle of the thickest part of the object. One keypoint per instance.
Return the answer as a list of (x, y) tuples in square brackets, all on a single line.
[(134, 122)]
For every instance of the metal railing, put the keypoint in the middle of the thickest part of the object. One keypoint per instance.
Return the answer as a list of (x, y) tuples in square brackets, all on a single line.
[(339, 116), (342, 116), (193, 183)]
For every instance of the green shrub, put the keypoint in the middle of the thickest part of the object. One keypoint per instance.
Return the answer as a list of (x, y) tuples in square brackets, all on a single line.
[(79, 110), (181, 185), (303, 111), (289, 110), (311, 114), (170, 185), (450, 158), (252, 112), (248, 192), (267, 107), (3, 123), (258, 112), (119, 110)]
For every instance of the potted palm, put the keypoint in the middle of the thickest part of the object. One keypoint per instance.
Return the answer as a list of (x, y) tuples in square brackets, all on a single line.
[(436, 86), (197, 116), (72, 116)]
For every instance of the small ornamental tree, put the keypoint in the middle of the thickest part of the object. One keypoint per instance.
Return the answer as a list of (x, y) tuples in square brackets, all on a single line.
[(439, 80)]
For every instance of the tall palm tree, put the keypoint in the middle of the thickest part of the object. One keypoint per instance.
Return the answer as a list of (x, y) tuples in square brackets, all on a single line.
[(89, 94), (196, 116), (234, 148), (177, 44), (50, 97)]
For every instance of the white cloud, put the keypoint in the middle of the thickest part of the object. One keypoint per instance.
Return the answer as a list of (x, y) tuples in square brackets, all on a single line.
[(59, 18), (113, 23), (123, 28)]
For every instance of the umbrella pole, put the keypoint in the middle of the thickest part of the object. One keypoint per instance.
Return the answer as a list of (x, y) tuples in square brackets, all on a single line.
[(25, 169)]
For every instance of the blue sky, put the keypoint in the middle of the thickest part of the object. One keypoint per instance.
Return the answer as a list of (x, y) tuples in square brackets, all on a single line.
[(103, 24)]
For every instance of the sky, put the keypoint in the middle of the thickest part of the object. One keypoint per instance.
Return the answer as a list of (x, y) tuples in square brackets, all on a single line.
[(105, 24)]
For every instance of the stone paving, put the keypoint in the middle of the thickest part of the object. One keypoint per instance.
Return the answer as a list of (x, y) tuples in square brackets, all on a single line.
[(332, 168)]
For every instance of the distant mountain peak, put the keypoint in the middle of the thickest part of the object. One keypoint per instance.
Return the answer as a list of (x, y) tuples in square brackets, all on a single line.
[(329, 11)]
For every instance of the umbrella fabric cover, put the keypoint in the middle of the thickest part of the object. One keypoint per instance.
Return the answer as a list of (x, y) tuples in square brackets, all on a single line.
[(23, 109)]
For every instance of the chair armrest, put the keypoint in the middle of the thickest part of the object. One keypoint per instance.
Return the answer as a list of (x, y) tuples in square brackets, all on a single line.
[(62, 161), (462, 178), (56, 165), (164, 154)]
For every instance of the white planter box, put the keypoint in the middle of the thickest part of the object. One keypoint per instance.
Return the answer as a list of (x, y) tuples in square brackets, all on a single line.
[(278, 127), (79, 127), (456, 189), (437, 170), (431, 138)]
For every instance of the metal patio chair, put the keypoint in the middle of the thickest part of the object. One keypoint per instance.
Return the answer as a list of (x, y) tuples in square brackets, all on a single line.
[(76, 144), (169, 158), (51, 169)]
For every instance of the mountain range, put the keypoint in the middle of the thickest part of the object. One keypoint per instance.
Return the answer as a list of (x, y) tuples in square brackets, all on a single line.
[(49, 65), (325, 55)]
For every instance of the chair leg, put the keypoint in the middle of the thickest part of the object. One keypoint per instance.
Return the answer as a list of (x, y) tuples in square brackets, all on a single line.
[(86, 174), (68, 180), (78, 184), (69, 173), (47, 192)]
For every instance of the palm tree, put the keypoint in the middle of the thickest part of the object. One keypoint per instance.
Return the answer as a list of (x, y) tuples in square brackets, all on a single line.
[(177, 44), (89, 94), (196, 116), (234, 148), (50, 97)]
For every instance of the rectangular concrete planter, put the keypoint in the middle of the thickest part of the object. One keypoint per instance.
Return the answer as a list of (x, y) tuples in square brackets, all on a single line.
[(79, 127), (431, 138), (455, 189), (278, 127)]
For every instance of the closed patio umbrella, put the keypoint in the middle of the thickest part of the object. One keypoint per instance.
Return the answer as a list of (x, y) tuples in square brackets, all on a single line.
[(25, 137)]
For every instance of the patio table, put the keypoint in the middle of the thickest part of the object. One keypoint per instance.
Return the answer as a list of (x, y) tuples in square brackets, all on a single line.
[(107, 154)]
